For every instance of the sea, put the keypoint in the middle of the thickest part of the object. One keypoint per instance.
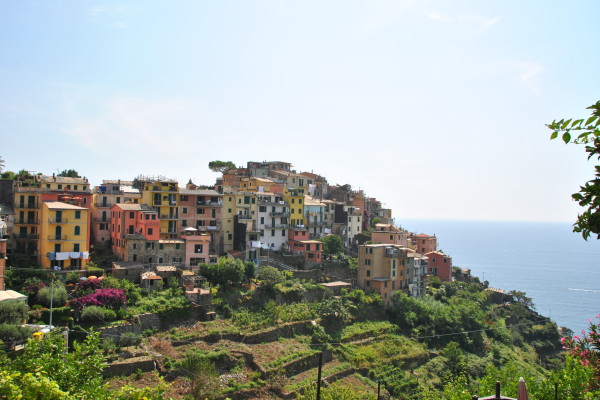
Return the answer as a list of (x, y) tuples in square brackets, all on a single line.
[(557, 268)]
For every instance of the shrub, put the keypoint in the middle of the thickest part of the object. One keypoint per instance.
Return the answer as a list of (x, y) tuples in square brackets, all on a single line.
[(13, 312), (110, 298), (86, 287), (56, 294), (11, 333), (97, 314), (130, 339)]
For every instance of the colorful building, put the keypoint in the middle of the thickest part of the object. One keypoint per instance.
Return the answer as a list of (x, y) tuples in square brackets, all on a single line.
[(423, 243), (383, 268), (202, 209), (162, 194), (294, 197), (272, 220), (389, 234), (64, 235), (440, 265), (104, 197)]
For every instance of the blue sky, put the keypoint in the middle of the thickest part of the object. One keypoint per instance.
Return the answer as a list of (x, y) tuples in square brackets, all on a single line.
[(437, 108)]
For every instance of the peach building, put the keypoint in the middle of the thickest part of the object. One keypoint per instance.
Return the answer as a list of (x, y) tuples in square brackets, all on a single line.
[(389, 234), (423, 243), (383, 268), (202, 209)]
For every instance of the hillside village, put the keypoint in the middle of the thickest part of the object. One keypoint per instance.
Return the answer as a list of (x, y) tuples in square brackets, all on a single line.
[(266, 284), (263, 210)]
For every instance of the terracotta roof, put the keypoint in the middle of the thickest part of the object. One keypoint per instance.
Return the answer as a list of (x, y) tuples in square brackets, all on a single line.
[(63, 179), (135, 207), (59, 205)]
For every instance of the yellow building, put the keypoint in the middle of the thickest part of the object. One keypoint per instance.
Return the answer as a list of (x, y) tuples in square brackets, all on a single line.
[(295, 199), (227, 221), (162, 194), (240, 208), (64, 233)]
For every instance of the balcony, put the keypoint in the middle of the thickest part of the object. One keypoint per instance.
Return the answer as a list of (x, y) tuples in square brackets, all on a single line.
[(56, 238), (27, 221), (107, 219), (209, 203), (245, 217), (26, 236), (279, 214), (28, 205), (175, 216), (276, 226), (58, 220), (104, 205), (133, 236)]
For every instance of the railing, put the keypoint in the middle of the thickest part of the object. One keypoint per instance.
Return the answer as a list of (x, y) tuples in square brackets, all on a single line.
[(279, 214), (276, 226), (28, 205), (27, 221), (245, 217), (134, 236), (102, 204), (26, 236), (169, 217), (157, 203), (209, 203), (53, 238), (58, 220)]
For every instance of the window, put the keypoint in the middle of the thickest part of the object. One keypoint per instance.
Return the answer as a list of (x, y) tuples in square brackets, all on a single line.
[(262, 220), (134, 246), (77, 231), (118, 199), (77, 214), (272, 232), (161, 246), (177, 246), (299, 201), (391, 237), (183, 198), (60, 186), (75, 187), (134, 257), (200, 211), (368, 261), (262, 208), (229, 236), (368, 272), (160, 260), (57, 248), (368, 283), (184, 222), (293, 201), (184, 210), (76, 247), (385, 284), (149, 231), (283, 232), (198, 248)]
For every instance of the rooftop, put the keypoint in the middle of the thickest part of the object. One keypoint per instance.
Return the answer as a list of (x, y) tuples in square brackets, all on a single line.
[(199, 192), (59, 205), (135, 207)]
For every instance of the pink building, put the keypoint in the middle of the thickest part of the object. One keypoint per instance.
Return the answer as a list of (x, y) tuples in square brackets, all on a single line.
[(132, 221), (423, 243), (389, 234), (197, 247), (201, 209), (295, 238), (440, 265)]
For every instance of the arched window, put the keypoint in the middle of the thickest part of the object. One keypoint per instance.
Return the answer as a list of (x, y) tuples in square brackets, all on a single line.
[(77, 230)]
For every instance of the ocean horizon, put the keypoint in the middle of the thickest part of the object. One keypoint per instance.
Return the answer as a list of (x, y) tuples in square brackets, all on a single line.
[(553, 265)]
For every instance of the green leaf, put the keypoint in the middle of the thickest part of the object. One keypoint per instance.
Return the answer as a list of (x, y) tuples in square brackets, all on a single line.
[(590, 120), (554, 135), (566, 137), (576, 122), (566, 123)]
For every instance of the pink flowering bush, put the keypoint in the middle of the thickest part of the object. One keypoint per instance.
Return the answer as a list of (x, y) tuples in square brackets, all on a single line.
[(86, 287), (109, 298), (586, 349)]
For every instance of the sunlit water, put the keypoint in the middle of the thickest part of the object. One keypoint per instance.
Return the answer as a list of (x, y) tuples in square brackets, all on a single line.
[(553, 265)]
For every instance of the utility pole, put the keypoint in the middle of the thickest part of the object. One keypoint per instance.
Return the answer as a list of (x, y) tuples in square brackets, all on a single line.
[(319, 376), (51, 300)]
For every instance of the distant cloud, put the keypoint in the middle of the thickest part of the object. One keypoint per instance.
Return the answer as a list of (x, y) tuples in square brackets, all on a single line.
[(136, 125), (482, 22), (381, 14), (529, 74), (438, 17), (112, 15)]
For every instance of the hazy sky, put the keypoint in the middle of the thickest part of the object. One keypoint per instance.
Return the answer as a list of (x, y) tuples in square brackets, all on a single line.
[(437, 108)]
